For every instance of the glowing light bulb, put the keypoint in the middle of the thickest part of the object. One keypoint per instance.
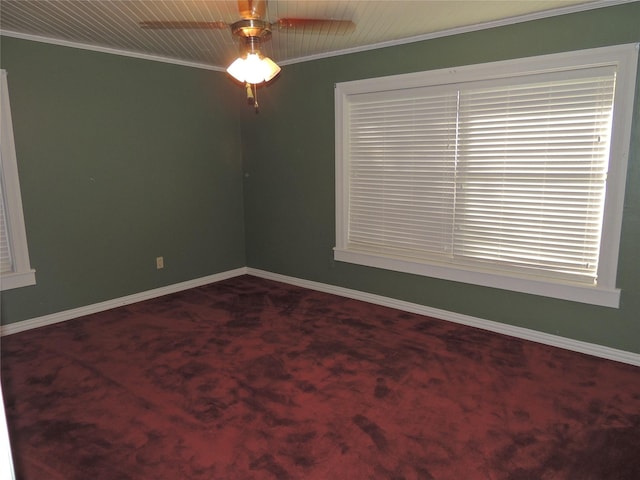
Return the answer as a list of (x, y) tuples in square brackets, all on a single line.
[(253, 69)]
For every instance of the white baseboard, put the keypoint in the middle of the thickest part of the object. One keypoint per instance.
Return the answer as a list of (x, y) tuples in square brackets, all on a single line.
[(510, 330), (116, 302), (502, 328)]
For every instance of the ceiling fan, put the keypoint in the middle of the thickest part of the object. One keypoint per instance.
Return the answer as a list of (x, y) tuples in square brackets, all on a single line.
[(251, 67)]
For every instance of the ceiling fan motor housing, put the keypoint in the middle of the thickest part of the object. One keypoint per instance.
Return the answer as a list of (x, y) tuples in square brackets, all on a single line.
[(252, 28)]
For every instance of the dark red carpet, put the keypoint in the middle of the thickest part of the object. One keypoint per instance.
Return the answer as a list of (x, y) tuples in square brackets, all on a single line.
[(253, 379)]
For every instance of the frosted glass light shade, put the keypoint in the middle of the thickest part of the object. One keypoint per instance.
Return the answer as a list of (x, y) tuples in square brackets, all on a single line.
[(253, 69)]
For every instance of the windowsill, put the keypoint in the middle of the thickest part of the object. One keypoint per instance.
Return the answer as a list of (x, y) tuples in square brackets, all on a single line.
[(594, 295), (9, 281)]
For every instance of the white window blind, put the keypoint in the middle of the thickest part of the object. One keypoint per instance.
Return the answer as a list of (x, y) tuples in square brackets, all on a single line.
[(402, 168), (15, 269), (503, 174), (532, 165), (6, 265)]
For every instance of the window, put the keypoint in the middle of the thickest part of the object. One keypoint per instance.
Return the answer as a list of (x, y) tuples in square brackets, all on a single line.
[(509, 174), (14, 256)]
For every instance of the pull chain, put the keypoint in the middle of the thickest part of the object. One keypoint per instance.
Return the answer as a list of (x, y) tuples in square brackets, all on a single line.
[(255, 96), (252, 95)]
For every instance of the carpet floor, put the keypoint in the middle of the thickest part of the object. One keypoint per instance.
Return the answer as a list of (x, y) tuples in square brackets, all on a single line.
[(253, 379)]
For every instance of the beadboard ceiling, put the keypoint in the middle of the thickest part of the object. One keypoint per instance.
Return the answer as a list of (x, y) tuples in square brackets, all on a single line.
[(113, 25)]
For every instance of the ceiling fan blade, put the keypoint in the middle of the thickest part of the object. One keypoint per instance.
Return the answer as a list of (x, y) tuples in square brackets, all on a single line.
[(252, 9), (334, 27), (175, 25)]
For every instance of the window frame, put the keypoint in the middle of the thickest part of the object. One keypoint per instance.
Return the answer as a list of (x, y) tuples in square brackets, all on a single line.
[(22, 274), (605, 293)]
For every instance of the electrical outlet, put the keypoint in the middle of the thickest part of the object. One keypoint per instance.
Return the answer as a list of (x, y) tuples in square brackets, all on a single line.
[(159, 262)]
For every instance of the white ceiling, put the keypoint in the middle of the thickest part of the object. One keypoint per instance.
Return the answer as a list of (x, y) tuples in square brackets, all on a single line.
[(113, 25)]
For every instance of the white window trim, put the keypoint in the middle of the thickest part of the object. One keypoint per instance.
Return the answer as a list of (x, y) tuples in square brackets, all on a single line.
[(7, 472), (23, 274), (623, 57)]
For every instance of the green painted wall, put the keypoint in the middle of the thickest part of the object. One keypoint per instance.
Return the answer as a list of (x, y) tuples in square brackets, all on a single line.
[(120, 160), (289, 178)]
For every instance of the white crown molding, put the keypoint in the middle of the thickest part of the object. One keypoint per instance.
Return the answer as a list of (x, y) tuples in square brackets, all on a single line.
[(466, 29), (112, 51), (63, 316), (496, 327), (391, 43)]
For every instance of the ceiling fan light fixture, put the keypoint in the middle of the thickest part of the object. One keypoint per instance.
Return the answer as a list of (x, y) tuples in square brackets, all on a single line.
[(253, 68)]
